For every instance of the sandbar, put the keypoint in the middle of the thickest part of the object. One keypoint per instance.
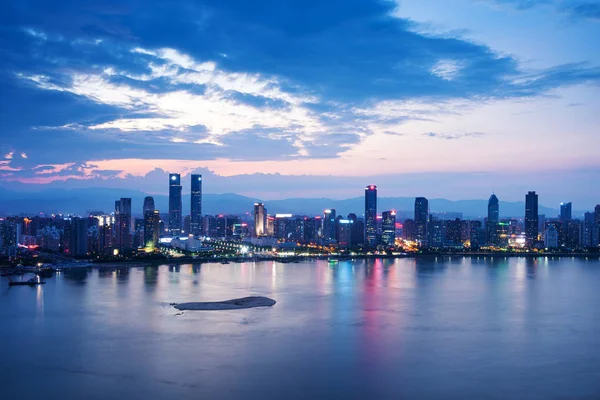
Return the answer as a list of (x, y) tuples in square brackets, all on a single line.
[(235, 304)]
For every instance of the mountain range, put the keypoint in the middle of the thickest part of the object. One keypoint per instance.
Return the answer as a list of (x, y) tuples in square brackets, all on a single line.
[(82, 201)]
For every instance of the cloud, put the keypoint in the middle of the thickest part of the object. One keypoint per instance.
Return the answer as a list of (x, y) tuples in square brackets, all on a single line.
[(237, 80), (447, 136), (578, 9)]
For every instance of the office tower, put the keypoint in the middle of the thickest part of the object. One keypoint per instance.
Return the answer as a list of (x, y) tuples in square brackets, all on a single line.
[(78, 239), (196, 205), (311, 229), (123, 238), (590, 231), (357, 230), (436, 232), (329, 224), (388, 228), (421, 218), (565, 212), (175, 204), (493, 219), (454, 232), (531, 219), (221, 221), (345, 232), (151, 224), (597, 214), (260, 220), (337, 226), (409, 229), (209, 223), (371, 215), (551, 237), (573, 236), (476, 234), (148, 204)]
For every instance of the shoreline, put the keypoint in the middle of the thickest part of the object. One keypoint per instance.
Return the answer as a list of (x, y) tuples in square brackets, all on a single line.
[(298, 259)]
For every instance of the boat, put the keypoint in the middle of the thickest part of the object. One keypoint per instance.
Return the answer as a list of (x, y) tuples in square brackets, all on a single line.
[(31, 282)]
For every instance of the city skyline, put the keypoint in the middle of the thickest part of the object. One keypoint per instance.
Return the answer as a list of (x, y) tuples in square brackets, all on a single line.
[(465, 100)]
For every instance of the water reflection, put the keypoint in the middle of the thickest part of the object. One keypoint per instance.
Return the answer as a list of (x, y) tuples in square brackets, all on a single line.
[(407, 328)]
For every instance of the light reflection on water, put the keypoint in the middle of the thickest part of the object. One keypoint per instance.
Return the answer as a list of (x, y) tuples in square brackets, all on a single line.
[(488, 327)]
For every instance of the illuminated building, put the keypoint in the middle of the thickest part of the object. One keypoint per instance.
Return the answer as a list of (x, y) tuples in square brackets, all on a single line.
[(476, 234), (493, 219), (409, 231), (260, 220), (454, 232), (551, 237), (566, 212), (388, 234), (196, 205), (151, 224), (209, 223), (345, 232), (531, 219), (590, 231), (371, 215), (421, 218), (122, 229), (329, 224), (357, 230), (312, 227), (78, 239), (436, 233), (175, 219)]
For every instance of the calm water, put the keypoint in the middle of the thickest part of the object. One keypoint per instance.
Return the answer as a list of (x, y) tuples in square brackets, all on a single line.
[(415, 329)]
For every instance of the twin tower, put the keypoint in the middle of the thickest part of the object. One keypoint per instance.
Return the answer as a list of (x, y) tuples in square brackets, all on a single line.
[(175, 205)]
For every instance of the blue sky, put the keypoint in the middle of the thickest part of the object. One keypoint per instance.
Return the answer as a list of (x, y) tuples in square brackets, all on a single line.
[(454, 98)]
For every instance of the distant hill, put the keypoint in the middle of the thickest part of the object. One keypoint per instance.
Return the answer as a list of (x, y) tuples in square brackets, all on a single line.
[(82, 201)]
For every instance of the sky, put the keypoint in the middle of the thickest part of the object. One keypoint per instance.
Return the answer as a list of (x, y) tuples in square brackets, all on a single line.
[(302, 98)]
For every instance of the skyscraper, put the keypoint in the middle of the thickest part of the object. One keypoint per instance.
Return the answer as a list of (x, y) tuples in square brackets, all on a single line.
[(388, 235), (531, 218), (123, 223), (421, 218), (329, 224), (175, 204), (566, 213), (196, 205), (597, 213), (493, 219), (371, 215), (260, 219), (151, 224)]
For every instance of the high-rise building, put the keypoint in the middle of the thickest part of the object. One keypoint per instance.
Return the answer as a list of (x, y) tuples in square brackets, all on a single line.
[(78, 239), (175, 219), (357, 230), (260, 220), (196, 205), (421, 218), (551, 237), (597, 214), (149, 204), (566, 212), (151, 224), (345, 232), (122, 231), (409, 229), (388, 233), (454, 232), (493, 219), (531, 219), (329, 224), (371, 215)]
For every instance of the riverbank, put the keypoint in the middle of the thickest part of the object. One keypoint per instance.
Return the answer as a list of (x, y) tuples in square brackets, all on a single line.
[(331, 258)]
